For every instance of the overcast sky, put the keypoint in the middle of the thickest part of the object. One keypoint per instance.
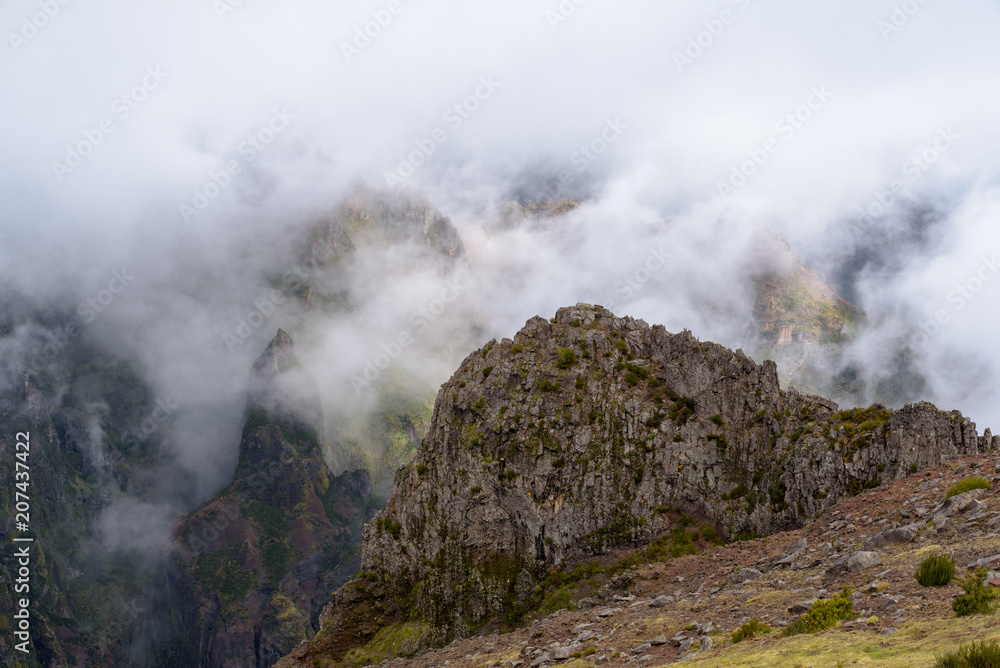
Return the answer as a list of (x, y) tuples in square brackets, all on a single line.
[(117, 116)]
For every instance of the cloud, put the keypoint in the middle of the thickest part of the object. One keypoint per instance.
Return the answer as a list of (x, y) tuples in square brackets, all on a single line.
[(202, 87)]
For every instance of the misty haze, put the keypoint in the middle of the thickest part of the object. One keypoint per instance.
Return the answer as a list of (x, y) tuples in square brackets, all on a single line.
[(499, 334)]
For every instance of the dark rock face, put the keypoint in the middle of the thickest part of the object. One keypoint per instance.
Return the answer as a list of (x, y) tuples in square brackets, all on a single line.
[(264, 556), (574, 438)]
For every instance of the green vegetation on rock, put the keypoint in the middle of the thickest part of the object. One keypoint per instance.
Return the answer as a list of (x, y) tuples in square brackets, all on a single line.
[(978, 598), (967, 485), (823, 614), (749, 629)]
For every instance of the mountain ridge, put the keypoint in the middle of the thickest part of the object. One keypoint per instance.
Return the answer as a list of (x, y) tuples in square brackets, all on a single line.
[(578, 436)]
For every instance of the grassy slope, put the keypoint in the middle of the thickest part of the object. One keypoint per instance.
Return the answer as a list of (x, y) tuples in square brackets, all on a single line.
[(916, 644)]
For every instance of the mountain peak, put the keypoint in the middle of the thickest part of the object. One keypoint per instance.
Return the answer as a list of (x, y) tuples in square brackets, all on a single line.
[(278, 357)]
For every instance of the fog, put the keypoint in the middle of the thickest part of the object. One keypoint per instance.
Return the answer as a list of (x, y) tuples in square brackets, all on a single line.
[(181, 151)]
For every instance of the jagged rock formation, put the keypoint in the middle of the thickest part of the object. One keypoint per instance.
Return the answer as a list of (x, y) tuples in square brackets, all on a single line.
[(377, 219), (264, 555), (511, 214), (578, 436), (376, 238)]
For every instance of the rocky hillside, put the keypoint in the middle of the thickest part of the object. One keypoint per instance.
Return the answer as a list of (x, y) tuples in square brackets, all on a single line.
[(655, 608), (263, 557), (584, 434)]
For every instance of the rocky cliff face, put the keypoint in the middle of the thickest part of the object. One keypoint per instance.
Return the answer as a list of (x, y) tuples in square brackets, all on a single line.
[(93, 602), (579, 436), (264, 556)]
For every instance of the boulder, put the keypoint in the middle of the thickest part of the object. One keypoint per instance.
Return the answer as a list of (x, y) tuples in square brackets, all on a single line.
[(905, 534), (861, 560)]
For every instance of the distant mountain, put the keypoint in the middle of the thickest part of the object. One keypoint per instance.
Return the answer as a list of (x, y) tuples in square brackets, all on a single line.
[(264, 555), (799, 321)]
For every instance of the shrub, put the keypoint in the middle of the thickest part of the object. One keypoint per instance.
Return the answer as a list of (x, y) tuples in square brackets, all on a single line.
[(740, 490), (968, 484), (516, 348), (682, 410), (937, 570), (487, 371), (823, 614), (567, 358), (750, 629), (548, 385), (717, 420), (980, 654), (558, 600), (978, 597)]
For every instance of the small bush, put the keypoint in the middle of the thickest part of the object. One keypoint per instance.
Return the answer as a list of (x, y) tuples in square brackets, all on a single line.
[(487, 371), (937, 570), (823, 614), (978, 597), (980, 654), (516, 348), (711, 535), (682, 410), (558, 600), (567, 358), (548, 385), (717, 420), (750, 629), (968, 484)]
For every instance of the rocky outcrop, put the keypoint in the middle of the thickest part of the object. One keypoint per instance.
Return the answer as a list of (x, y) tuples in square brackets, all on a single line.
[(264, 556), (579, 436)]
